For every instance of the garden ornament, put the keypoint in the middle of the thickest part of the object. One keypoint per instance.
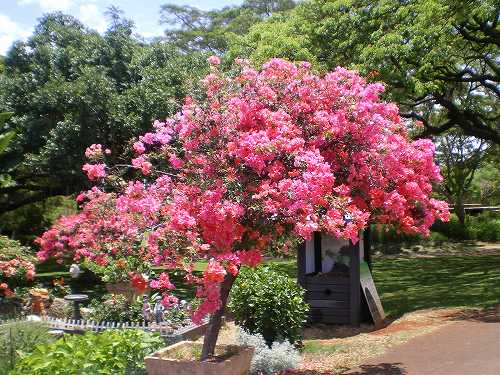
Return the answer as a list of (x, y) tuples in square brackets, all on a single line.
[(75, 270), (158, 310), (146, 309), (38, 298)]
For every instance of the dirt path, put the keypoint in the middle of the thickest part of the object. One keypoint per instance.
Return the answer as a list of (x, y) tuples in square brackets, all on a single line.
[(464, 347)]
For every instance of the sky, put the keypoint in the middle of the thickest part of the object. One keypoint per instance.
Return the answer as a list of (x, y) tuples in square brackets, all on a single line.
[(18, 17)]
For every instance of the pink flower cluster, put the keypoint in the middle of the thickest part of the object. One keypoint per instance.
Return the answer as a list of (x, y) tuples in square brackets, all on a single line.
[(269, 156), (14, 268), (163, 282), (95, 171), (95, 151)]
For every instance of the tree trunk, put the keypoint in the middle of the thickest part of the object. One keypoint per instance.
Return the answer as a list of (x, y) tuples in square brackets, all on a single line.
[(460, 210), (215, 323)]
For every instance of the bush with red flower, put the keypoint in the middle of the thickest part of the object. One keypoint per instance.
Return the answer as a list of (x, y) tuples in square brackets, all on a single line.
[(16, 264), (265, 158)]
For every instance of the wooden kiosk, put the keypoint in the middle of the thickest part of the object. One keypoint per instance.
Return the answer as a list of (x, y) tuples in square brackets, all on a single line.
[(336, 276)]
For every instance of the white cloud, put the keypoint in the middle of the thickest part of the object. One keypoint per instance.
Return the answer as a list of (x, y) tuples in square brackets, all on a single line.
[(49, 5), (10, 31), (90, 15)]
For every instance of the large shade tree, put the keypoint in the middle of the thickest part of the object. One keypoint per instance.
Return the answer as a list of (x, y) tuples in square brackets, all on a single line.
[(193, 29), (265, 158), (440, 59), (69, 87), (460, 158)]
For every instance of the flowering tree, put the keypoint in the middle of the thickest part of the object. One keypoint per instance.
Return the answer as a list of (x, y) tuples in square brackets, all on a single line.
[(265, 157)]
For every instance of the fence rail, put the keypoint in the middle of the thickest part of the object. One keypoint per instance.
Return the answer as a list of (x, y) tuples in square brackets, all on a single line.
[(70, 325)]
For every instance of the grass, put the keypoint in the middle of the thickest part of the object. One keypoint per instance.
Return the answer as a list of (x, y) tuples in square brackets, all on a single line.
[(318, 347), (406, 285)]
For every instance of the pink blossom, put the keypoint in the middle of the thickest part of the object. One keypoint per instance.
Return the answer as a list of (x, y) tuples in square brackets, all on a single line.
[(163, 282), (169, 301), (214, 60), (214, 272), (139, 147), (143, 164), (95, 171), (175, 161), (94, 151)]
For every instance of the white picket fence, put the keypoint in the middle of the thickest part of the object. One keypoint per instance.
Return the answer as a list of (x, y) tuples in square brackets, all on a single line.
[(69, 325)]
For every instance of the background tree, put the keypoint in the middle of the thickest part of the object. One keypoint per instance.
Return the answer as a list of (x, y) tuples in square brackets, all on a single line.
[(69, 87), (5, 137), (486, 183), (193, 29), (438, 58), (460, 157)]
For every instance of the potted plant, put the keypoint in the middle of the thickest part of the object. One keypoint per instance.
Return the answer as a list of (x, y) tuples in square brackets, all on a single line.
[(263, 160), (182, 359)]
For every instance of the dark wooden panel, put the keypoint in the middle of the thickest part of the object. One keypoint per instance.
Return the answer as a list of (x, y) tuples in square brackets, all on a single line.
[(317, 251), (330, 312), (329, 303), (327, 294), (327, 281), (333, 287), (336, 320), (354, 284), (337, 316)]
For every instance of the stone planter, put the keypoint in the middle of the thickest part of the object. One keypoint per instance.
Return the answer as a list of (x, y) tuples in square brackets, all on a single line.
[(126, 289), (165, 362)]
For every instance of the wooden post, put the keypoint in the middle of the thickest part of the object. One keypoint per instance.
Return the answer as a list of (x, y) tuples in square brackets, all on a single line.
[(367, 244), (317, 252), (301, 264), (355, 289)]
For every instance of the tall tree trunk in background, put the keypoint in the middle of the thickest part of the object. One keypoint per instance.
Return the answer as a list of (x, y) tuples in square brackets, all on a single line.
[(215, 323), (459, 209)]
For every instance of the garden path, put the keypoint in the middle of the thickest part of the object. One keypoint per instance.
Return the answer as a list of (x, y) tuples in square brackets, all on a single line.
[(468, 346)]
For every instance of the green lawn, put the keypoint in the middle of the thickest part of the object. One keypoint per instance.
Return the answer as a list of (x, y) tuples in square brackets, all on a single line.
[(406, 285), (410, 284), (403, 284)]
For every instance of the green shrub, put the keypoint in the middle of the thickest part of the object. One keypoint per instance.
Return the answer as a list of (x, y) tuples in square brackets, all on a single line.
[(267, 302), (110, 352), (485, 227), (451, 229), (115, 308), (12, 249), (20, 338), (384, 234)]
